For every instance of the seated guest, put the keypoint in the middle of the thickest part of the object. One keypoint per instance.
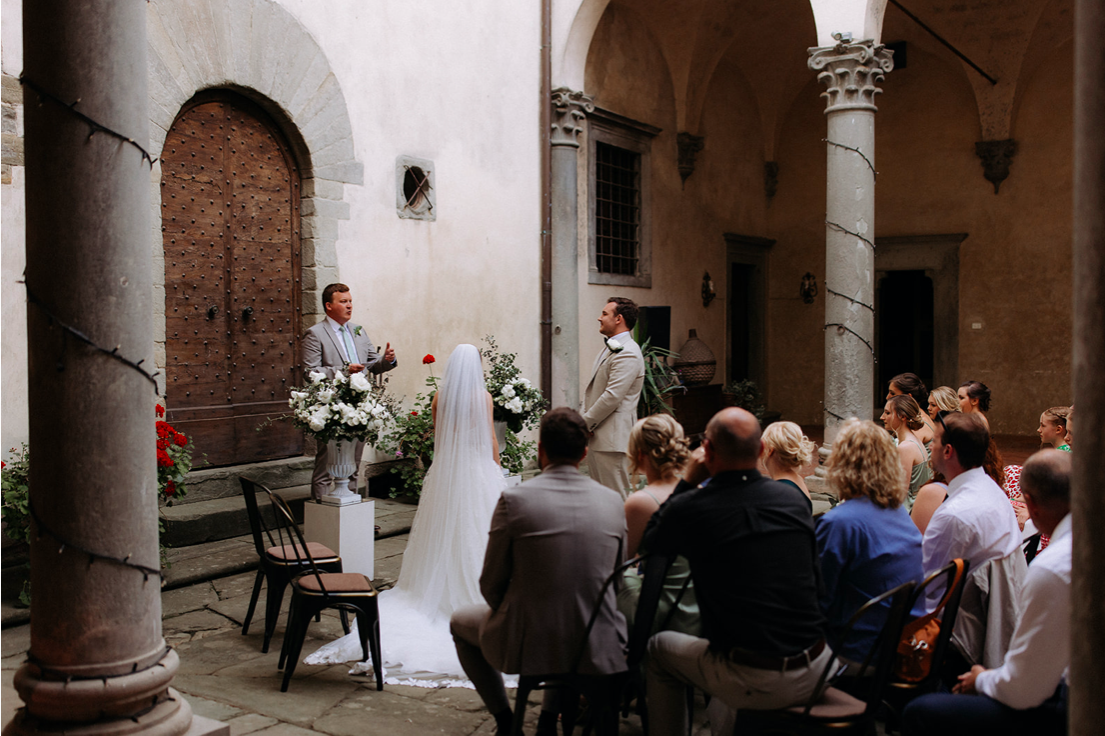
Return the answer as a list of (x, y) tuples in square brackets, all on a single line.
[(1053, 428), (902, 416), (868, 544), (751, 545), (553, 542), (1027, 693), (928, 500), (976, 521), (974, 398), (942, 398), (786, 452), (658, 449), (910, 384)]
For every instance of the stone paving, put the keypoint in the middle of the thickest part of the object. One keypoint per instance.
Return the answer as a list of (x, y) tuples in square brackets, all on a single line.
[(225, 676)]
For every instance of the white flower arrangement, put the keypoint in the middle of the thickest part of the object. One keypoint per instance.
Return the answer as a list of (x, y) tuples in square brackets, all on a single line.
[(340, 408), (613, 345), (516, 401)]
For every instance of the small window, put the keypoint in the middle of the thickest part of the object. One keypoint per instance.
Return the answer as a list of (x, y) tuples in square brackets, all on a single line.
[(619, 248), (415, 197)]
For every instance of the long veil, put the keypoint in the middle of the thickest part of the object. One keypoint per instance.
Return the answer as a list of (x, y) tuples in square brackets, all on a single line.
[(444, 555)]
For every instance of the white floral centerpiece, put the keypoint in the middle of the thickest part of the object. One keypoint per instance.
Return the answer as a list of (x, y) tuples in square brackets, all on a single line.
[(341, 408), (516, 401)]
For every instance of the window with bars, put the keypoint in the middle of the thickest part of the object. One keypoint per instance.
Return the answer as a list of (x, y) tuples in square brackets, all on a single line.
[(619, 249), (617, 209)]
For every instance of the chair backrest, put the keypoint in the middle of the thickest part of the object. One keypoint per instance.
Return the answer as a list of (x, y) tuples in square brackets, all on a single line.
[(883, 650), (611, 579), (291, 535), (257, 525), (945, 576)]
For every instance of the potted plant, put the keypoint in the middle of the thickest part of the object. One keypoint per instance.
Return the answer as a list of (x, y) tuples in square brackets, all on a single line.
[(661, 381)]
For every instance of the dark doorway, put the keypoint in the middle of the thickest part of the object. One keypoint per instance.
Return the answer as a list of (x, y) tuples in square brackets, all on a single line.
[(742, 287), (905, 328)]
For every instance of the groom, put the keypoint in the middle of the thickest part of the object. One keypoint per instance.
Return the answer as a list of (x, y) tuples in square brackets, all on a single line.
[(336, 344), (612, 393)]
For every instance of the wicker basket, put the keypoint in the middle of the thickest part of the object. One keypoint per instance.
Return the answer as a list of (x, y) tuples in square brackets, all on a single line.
[(696, 364)]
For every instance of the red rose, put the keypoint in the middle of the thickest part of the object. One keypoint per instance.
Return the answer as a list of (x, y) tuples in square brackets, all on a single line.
[(414, 413), (170, 488), (163, 459), (163, 429), (428, 359), (160, 410), (180, 440)]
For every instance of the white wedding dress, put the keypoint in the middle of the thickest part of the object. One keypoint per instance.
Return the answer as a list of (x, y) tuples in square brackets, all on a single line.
[(444, 555)]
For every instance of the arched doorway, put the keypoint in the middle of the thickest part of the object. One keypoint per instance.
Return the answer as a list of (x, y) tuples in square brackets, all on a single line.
[(230, 225)]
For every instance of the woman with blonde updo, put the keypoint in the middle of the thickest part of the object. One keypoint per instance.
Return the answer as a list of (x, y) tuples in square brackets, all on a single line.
[(787, 451), (941, 399), (867, 543), (902, 416), (658, 450)]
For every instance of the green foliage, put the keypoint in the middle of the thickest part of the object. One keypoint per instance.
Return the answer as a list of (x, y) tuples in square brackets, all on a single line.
[(516, 453), (516, 401), (661, 380), (746, 395), (16, 509), (411, 437)]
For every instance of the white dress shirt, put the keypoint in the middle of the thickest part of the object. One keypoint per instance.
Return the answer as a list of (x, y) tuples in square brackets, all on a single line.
[(976, 523), (1039, 652), (339, 333)]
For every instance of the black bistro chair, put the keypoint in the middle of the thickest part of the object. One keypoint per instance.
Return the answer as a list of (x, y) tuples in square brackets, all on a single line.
[(278, 560), (315, 590), (603, 692), (831, 710)]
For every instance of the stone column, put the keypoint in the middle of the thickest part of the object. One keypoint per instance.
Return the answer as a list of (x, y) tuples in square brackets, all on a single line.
[(97, 662), (568, 112), (1087, 707), (850, 72)]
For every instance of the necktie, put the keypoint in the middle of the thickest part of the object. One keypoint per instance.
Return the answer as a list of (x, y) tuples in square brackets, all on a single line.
[(350, 351)]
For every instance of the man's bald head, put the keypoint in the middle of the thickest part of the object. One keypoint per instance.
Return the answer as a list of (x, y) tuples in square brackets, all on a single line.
[(1045, 485), (734, 436)]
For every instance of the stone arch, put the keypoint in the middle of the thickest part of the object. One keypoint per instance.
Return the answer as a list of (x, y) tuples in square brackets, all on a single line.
[(258, 49)]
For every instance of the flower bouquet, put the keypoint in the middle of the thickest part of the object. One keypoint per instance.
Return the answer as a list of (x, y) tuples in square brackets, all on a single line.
[(340, 408), (516, 401)]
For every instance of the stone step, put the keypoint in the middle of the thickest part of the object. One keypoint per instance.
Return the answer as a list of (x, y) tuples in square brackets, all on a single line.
[(207, 484), (216, 519)]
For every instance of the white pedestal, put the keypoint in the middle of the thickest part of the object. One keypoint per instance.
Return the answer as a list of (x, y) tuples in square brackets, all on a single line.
[(348, 530)]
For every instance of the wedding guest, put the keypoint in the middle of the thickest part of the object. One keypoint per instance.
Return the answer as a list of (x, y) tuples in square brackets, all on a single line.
[(1053, 428), (974, 398), (658, 449), (867, 543), (1070, 428), (902, 416), (786, 452), (976, 522), (751, 545), (553, 541), (942, 398), (1027, 694), (929, 497), (910, 384)]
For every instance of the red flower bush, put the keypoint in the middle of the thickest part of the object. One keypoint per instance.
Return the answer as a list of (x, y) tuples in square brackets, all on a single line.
[(159, 410)]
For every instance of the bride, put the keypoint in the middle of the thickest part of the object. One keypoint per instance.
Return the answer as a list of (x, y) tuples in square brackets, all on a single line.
[(444, 555)]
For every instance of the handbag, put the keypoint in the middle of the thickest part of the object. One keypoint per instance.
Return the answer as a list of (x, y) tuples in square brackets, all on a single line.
[(918, 642)]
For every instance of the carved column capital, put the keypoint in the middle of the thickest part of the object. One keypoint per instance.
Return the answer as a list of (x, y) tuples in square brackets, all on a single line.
[(569, 110), (850, 72)]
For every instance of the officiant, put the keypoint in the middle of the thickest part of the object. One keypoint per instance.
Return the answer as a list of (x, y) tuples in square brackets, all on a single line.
[(336, 344)]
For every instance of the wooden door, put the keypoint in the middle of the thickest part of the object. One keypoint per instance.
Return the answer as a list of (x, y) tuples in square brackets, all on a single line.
[(230, 204)]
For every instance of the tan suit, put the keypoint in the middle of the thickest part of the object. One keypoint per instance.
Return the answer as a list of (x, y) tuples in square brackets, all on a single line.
[(553, 542), (611, 411), (321, 351)]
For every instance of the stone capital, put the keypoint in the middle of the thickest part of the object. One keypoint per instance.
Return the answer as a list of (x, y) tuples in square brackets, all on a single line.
[(850, 72), (569, 108)]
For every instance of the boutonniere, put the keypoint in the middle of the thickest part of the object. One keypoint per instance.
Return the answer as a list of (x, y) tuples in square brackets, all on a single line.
[(358, 330), (613, 345)]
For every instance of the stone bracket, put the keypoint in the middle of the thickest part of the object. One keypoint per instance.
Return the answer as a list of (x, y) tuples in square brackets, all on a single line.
[(996, 157), (689, 145)]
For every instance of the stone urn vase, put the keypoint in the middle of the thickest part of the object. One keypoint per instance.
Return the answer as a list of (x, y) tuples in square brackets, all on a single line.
[(340, 464), (696, 363)]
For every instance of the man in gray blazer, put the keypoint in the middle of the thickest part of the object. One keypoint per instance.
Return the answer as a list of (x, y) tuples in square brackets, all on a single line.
[(337, 344), (612, 393), (553, 542)]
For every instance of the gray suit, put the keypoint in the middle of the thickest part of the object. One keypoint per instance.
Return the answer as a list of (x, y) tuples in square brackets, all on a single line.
[(611, 401), (553, 542), (321, 351)]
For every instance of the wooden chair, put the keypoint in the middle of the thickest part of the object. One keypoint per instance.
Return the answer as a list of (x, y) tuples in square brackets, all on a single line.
[(278, 561), (603, 692), (899, 692), (831, 710), (315, 590)]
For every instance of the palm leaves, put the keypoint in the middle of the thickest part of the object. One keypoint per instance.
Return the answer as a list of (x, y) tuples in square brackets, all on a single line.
[(661, 380)]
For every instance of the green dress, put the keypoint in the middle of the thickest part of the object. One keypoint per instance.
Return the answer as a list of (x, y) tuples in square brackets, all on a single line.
[(919, 476)]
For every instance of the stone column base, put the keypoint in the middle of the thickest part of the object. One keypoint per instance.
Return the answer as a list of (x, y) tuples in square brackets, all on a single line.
[(171, 717)]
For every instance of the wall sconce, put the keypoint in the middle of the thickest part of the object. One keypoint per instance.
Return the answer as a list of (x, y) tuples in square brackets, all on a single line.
[(708, 292), (808, 290)]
